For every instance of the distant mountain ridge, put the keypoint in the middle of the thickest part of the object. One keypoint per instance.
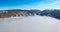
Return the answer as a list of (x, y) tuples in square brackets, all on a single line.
[(15, 13), (55, 13)]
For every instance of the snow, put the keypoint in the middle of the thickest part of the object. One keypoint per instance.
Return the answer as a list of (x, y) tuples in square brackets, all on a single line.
[(29, 24)]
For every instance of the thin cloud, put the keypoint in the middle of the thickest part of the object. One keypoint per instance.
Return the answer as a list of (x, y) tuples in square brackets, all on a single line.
[(39, 5), (42, 5)]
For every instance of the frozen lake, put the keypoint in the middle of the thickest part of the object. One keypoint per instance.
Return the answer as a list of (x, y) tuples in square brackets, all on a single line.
[(29, 24)]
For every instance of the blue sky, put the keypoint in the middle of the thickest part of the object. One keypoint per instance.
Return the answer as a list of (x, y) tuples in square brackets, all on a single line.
[(29, 4)]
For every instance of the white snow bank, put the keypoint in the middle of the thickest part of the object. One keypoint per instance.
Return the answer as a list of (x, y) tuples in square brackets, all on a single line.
[(30, 24)]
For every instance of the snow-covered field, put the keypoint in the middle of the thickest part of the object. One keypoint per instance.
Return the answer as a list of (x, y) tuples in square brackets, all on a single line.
[(29, 24)]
